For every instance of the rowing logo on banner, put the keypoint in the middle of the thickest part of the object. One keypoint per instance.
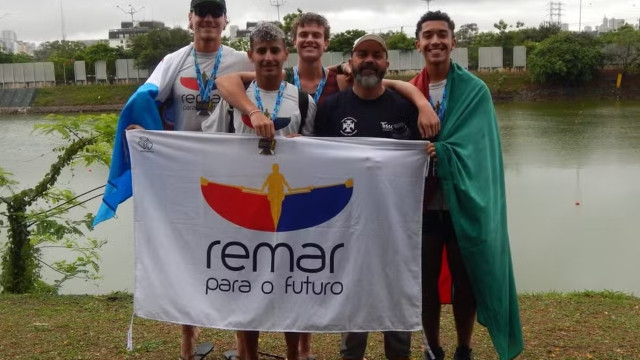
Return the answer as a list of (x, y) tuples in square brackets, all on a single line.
[(145, 144), (276, 206)]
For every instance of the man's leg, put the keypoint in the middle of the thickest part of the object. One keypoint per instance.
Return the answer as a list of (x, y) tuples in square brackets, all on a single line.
[(353, 345), (292, 339), (432, 244), (304, 345), (188, 343), (250, 344), (240, 345), (464, 304), (397, 345)]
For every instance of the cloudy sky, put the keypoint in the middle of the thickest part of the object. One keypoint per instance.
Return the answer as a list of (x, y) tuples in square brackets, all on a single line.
[(41, 20)]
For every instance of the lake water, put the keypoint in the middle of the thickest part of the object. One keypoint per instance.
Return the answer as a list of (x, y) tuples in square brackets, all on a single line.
[(572, 175)]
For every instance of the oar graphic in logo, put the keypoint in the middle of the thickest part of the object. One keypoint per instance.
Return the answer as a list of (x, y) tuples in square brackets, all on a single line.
[(277, 210)]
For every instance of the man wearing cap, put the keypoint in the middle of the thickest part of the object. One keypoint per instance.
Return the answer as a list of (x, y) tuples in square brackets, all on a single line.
[(310, 33), (467, 215), (371, 110), (183, 87)]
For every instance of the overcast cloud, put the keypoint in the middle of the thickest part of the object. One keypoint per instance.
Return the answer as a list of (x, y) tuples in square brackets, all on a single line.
[(41, 20)]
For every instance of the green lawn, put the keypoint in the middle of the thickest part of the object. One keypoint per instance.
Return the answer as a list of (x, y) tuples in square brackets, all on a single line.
[(588, 325)]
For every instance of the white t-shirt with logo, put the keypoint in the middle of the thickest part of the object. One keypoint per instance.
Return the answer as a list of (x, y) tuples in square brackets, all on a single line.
[(186, 93), (289, 112)]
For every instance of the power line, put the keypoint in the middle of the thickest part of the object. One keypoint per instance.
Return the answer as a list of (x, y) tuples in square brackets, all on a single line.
[(132, 11), (428, 2), (555, 12), (62, 27), (277, 4)]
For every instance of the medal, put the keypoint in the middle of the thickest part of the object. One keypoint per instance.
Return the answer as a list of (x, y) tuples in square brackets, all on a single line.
[(266, 146)]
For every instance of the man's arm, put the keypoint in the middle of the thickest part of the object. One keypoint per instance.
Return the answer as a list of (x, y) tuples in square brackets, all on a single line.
[(231, 88), (428, 122)]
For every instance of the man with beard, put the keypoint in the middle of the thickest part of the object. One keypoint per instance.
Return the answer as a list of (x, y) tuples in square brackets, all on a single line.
[(368, 109), (310, 33), (467, 214)]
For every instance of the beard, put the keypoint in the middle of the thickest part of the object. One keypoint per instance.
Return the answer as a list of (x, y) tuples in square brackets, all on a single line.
[(370, 80)]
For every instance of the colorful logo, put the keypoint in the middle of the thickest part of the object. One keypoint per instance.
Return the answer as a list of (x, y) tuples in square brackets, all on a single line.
[(280, 208), (191, 83)]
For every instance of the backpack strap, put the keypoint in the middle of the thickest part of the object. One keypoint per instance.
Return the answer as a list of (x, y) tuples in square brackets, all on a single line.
[(232, 128), (303, 106)]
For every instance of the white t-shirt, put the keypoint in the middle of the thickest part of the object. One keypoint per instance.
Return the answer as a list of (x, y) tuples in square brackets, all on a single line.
[(288, 115), (185, 89)]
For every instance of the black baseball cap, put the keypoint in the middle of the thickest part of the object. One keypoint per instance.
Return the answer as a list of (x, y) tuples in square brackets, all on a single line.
[(221, 3)]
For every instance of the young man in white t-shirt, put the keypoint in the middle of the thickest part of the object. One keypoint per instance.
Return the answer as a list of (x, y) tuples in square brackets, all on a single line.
[(279, 102), (273, 97), (191, 94)]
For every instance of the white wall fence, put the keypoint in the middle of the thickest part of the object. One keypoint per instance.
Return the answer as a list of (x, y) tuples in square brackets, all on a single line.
[(42, 74), (489, 58), (22, 75)]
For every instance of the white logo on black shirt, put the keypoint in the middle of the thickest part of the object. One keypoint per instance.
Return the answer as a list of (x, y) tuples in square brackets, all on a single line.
[(349, 126)]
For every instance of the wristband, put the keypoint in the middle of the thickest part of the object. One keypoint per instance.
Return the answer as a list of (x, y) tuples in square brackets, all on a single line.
[(253, 112)]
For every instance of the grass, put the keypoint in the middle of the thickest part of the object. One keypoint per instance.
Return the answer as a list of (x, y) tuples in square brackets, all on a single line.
[(585, 325), (83, 95)]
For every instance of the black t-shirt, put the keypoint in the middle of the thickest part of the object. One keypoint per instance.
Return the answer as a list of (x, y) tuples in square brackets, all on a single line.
[(344, 114)]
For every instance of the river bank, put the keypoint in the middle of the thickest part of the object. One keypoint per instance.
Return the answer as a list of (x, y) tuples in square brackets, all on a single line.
[(504, 86), (586, 325)]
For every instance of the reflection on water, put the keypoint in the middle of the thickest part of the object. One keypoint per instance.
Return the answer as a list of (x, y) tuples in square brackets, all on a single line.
[(572, 173)]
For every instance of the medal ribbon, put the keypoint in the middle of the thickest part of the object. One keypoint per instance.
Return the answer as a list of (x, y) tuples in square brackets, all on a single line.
[(279, 97), (205, 89), (323, 81)]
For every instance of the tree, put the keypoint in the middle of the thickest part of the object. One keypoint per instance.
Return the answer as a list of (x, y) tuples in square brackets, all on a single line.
[(62, 54), (102, 51), (343, 42), (6, 58), (289, 19), (465, 34), (32, 229), (623, 47), (240, 44), (566, 58), (150, 48), (501, 26), (398, 40)]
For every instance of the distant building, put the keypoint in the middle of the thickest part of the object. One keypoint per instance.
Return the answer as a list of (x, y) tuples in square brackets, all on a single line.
[(564, 27), (93, 42), (120, 37), (235, 32), (9, 41), (610, 24), (25, 47), (615, 24), (588, 29)]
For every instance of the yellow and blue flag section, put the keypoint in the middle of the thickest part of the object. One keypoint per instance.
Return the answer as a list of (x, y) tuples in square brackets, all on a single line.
[(141, 109)]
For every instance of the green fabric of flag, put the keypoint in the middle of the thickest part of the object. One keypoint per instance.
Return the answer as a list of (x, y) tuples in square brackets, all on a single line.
[(470, 169)]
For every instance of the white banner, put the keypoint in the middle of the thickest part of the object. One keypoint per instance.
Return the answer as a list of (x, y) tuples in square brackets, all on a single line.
[(322, 236)]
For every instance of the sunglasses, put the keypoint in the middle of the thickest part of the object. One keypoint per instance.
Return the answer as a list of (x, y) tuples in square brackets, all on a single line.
[(203, 11)]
